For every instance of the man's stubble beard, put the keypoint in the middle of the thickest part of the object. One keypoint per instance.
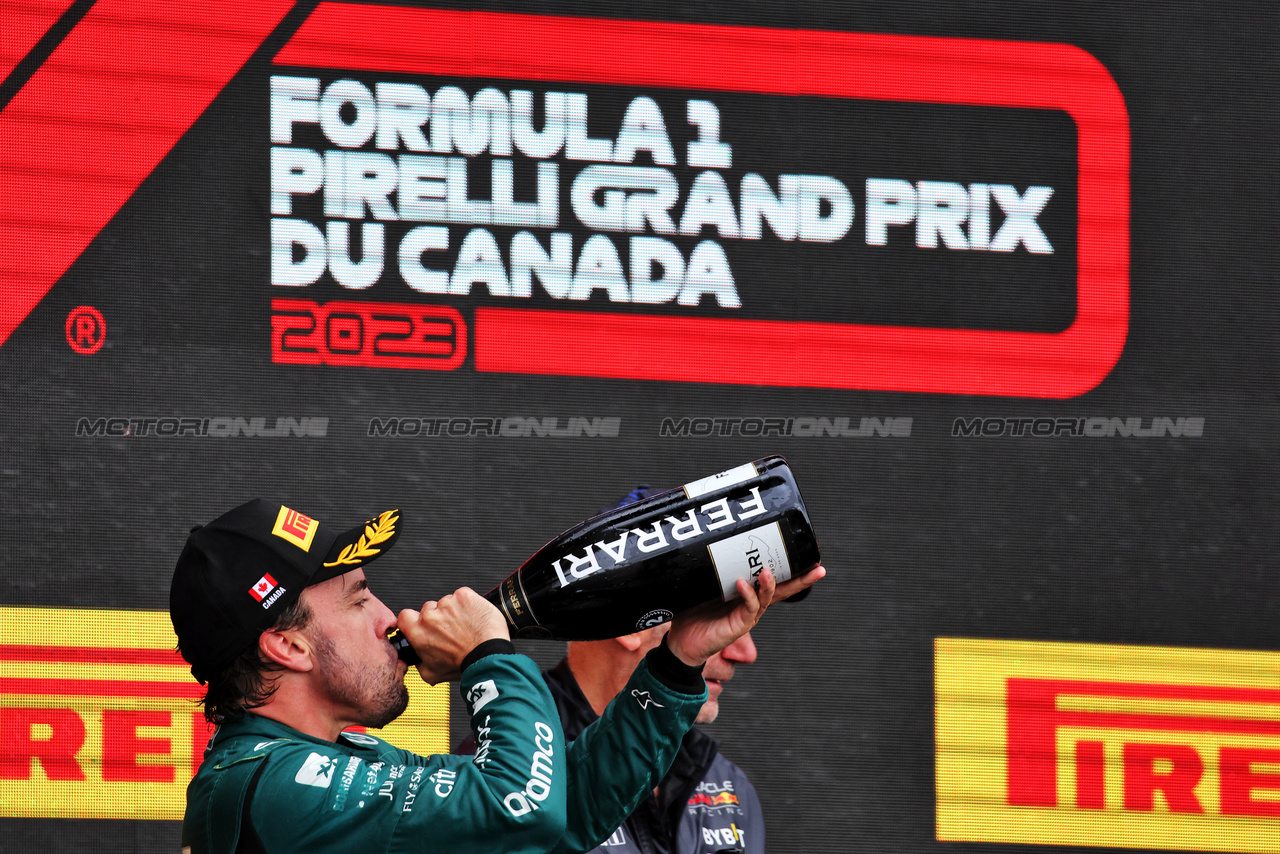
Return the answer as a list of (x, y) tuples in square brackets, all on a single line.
[(708, 713), (379, 698)]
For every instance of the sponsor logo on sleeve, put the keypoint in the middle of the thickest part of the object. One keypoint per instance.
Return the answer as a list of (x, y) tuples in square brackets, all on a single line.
[(1118, 746), (645, 699), (538, 788), (444, 780), (372, 777), (483, 743), (481, 694), (347, 779), (388, 788), (415, 782), (316, 771)]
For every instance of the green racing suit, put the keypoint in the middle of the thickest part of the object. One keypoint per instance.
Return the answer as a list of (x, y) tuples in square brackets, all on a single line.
[(264, 786)]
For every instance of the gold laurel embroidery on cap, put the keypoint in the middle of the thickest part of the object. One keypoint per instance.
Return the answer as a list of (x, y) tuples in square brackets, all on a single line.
[(375, 531)]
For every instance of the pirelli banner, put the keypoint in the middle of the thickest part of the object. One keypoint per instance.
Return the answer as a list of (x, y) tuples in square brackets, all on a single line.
[(996, 278), (1091, 744)]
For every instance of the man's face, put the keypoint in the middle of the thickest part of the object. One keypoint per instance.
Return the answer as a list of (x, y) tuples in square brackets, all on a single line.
[(718, 670), (356, 664)]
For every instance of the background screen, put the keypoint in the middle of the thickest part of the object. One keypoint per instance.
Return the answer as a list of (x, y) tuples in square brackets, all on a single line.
[(996, 278)]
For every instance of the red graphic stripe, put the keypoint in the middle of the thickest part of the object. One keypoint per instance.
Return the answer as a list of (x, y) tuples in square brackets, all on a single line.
[(89, 655), (1050, 693), (733, 59), (1095, 688), (100, 688), (22, 25), (782, 353), (1173, 723), (97, 118), (783, 62)]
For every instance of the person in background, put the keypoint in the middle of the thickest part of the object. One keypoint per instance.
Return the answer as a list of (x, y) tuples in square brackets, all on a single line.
[(704, 804)]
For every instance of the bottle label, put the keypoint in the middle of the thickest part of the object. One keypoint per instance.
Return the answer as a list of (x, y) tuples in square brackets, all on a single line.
[(656, 617), (737, 474), (658, 535), (745, 555)]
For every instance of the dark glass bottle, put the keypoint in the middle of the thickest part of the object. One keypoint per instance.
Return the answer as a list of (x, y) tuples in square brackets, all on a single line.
[(639, 565)]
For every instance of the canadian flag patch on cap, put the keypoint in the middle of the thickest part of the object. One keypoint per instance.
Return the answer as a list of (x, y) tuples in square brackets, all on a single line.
[(264, 586)]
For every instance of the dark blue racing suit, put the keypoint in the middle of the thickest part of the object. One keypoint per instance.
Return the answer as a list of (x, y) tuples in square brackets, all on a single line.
[(704, 805)]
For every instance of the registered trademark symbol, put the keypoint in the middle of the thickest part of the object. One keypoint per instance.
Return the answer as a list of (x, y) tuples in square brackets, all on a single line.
[(86, 330)]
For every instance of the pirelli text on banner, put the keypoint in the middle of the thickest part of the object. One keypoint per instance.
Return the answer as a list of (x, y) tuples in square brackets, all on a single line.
[(108, 724), (1120, 746)]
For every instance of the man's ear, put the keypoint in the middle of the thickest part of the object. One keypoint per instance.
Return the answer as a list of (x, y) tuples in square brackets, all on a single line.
[(631, 642), (290, 649), (644, 638)]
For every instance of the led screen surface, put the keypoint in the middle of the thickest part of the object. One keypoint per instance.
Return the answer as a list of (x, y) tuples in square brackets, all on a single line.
[(992, 279)]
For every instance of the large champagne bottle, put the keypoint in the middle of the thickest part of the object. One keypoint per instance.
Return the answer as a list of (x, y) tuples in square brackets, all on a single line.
[(639, 565)]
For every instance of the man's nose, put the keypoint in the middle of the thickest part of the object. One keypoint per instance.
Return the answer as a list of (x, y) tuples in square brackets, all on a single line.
[(386, 619), (741, 651)]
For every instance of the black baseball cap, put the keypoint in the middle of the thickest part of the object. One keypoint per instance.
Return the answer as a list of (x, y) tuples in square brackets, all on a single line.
[(236, 574)]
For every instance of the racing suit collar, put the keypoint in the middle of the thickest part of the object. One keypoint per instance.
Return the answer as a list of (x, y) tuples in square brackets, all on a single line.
[(267, 729)]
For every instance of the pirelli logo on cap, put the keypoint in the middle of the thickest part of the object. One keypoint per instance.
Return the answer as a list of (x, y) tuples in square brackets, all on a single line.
[(296, 528), (107, 723), (1118, 746)]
